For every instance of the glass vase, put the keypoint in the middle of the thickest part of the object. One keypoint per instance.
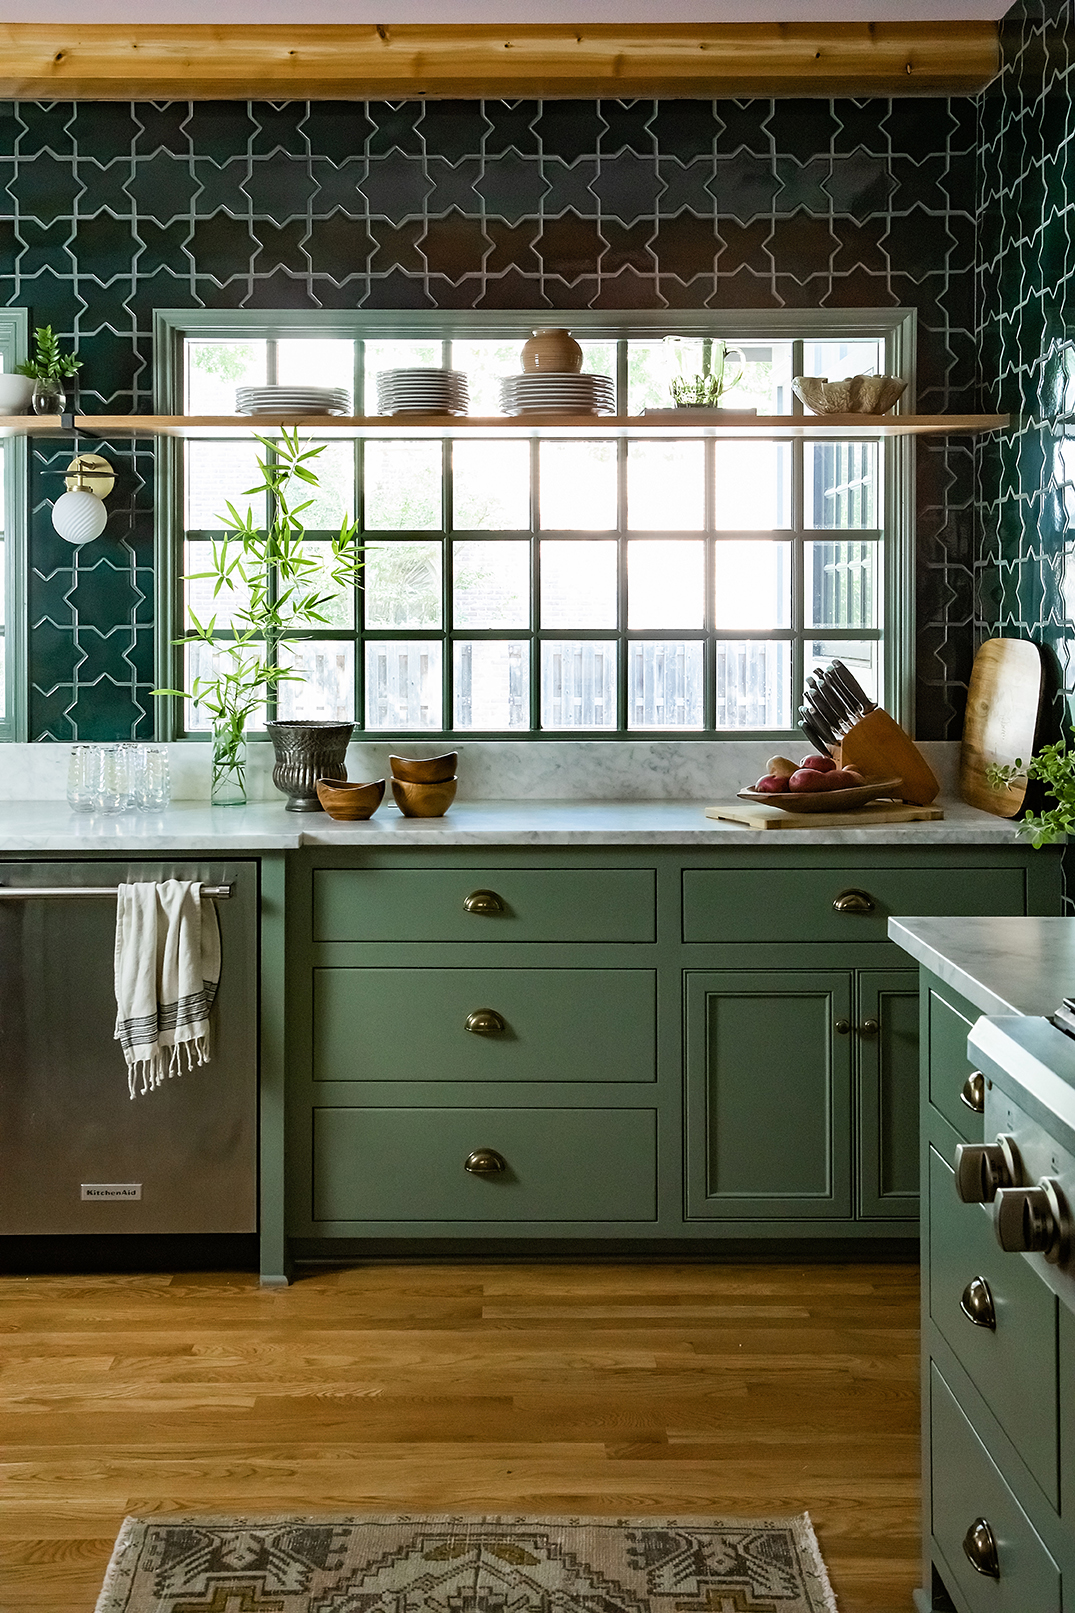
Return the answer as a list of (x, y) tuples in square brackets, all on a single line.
[(48, 395), (228, 787)]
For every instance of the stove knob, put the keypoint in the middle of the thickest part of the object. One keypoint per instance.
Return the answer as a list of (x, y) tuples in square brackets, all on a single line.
[(982, 1168), (1033, 1220)]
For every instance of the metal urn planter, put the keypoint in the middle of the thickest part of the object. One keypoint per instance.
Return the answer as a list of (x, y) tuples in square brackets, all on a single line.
[(305, 752)]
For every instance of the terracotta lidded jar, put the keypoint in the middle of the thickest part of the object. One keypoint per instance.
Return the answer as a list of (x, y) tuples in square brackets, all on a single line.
[(552, 352)]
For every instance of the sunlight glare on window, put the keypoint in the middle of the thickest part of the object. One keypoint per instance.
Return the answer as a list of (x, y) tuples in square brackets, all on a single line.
[(219, 473), (578, 582), (403, 486), (214, 371), (492, 684), (491, 486), (666, 486), (666, 582), (309, 361), (578, 486), (752, 490), (491, 583), (752, 584)]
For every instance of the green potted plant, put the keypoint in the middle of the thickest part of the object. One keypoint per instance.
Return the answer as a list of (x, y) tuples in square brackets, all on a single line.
[(277, 586), (1053, 766), (49, 368)]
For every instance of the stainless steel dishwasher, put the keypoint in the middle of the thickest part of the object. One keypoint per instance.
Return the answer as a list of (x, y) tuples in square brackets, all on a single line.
[(77, 1154)]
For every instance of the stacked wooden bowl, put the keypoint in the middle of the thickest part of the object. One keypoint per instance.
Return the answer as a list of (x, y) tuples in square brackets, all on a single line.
[(424, 787)]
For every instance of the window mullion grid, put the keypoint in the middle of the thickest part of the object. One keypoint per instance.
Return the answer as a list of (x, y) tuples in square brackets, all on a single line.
[(709, 649), (447, 572), (357, 482), (535, 586), (798, 577), (623, 648)]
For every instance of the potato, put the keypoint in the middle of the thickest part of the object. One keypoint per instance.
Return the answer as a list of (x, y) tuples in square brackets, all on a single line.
[(843, 779), (819, 764), (771, 784), (809, 778), (780, 767)]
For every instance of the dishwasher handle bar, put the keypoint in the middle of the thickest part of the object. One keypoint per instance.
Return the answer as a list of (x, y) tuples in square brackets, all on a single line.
[(17, 893)]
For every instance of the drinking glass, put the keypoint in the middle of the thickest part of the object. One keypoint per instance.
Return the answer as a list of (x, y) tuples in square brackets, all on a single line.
[(151, 784), (81, 779), (114, 778)]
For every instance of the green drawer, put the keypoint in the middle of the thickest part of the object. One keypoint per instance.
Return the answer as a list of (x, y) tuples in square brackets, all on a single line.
[(796, 904), (1013, 1367), (559, 1025), (407, 1165), (404, 904), (966, 1486), (949, 1067)]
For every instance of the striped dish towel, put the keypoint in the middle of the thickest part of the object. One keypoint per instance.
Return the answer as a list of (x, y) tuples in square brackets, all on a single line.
[(167, 969)]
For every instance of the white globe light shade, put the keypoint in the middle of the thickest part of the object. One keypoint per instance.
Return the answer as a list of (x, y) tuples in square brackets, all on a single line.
[(79, 516)]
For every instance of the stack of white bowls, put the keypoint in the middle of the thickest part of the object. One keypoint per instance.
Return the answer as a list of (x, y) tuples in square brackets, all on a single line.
[(419, 391), (292, 400), (558, 392)]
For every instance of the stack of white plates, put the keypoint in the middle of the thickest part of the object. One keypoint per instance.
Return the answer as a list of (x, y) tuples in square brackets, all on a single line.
[(554, 393), (422, 392), (292, 400)]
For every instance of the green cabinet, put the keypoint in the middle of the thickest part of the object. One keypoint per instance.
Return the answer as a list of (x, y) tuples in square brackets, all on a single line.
[(693, 1044), (768, 1094)]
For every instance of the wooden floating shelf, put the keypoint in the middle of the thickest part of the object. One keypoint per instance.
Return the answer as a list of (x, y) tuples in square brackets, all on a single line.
[(839, 426), (353, 62)]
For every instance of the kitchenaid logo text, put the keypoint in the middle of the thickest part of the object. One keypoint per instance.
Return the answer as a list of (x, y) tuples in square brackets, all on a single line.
[(111, 1190)]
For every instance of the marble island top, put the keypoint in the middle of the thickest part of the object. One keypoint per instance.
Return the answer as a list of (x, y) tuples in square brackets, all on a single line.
[(1001, 965), (190, 826)]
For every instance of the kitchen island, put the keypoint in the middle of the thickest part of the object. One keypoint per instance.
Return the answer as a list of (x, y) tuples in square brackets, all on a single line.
[(556, 1026)]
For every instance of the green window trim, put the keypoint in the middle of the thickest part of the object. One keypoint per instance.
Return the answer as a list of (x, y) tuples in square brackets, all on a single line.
[(893, 328), (14, 348)]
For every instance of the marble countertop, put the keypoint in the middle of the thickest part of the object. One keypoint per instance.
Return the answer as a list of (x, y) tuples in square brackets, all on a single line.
[(191, 826), (1001, 965)]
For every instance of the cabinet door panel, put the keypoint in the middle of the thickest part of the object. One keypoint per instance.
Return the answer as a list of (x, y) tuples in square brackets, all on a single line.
[(966, 1486), (796, 904), (549, 904), (768, 1093), (408, 1165), (888, 1093), (949, 1066), (559, 1025)]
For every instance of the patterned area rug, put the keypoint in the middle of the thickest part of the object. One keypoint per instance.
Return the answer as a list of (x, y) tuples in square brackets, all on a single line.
[(434, 1564)]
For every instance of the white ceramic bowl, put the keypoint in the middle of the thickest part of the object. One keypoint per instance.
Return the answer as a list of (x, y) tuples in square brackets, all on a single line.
[(15, 393)]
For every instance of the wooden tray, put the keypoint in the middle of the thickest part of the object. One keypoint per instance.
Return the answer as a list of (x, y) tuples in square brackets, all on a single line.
[(864, 817)]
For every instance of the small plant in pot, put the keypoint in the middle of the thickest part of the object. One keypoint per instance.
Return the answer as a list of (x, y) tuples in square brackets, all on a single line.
[(48, 369), (273, 584)]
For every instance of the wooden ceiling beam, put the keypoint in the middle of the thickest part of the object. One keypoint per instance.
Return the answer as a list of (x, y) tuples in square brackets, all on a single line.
[(106, 62)]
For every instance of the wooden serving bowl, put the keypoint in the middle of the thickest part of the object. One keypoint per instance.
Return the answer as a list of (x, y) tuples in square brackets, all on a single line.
[(349, 802), (417, 800), (424, 769)]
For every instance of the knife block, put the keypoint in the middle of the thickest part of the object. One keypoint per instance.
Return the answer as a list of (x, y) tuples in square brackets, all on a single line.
[(879, 748)]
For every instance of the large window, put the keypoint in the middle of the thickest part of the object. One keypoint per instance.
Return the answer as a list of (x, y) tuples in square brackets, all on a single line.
[(541, 582), (13, 335)]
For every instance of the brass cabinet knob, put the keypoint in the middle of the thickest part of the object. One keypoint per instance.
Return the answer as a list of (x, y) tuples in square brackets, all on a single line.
[(976, 1303), (842, 1027), (485, 1022), (869, 1027), (483, 902), (485, 1162), (853, 901), (973, 1092), (980, 1549)]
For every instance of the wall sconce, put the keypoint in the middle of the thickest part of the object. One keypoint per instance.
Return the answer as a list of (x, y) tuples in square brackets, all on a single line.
[(79, 515)]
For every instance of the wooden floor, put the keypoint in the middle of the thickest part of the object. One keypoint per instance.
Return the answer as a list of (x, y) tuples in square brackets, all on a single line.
[(613, 1389)]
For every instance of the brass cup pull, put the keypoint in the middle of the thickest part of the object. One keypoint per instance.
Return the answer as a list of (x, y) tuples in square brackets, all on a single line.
[(483, 902), (485, 1162), (869, 1027), (853, 901), (842, 1027), (976, 1303), (485, 1022), (972, 1092), (980, 1549)]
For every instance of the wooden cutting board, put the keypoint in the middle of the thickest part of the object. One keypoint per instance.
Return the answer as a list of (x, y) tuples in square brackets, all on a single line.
[(863, 817), (1002, 714)]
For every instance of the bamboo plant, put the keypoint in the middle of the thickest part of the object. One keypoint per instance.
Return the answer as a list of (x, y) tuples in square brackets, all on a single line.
[(277, 586)]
